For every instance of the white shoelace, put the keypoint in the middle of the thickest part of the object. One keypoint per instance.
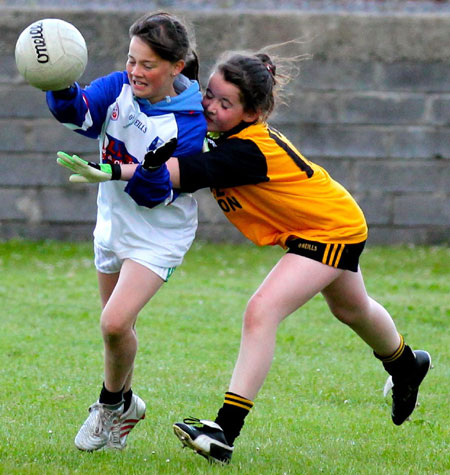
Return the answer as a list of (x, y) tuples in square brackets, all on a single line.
[(105, 418)]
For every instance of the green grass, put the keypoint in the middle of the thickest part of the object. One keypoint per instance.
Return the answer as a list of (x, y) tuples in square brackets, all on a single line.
[(320, 411)]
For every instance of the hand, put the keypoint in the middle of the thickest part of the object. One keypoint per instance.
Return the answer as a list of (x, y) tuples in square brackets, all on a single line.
[(155, 158), (88, 172)]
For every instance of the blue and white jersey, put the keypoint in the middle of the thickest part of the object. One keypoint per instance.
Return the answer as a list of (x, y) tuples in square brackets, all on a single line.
[(126, 128)]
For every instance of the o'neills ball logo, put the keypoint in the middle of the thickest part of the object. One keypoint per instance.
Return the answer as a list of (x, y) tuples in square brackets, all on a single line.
[(37, 37)]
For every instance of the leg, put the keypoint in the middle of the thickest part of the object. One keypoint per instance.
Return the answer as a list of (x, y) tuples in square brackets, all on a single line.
[(134, 288), (123, 295), (348, 301), (106, 285), (290, 284)]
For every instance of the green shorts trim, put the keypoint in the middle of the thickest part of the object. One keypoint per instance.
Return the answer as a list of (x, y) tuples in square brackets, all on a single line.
[(170, 271), (341, 256)]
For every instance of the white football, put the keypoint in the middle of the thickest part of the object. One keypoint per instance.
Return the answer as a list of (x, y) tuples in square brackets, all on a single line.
[(51, 54)]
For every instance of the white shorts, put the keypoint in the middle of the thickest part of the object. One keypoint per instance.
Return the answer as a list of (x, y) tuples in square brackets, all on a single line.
[(108, 262)]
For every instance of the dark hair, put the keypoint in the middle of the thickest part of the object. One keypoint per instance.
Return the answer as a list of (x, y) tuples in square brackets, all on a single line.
[(168, 37), (191, 69), (261, 83), (255, 76)]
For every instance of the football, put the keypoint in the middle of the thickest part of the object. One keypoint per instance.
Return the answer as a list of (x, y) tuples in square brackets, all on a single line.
[(51, 54)]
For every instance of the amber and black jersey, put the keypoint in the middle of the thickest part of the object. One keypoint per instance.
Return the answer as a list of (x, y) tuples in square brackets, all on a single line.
[(270, 192)]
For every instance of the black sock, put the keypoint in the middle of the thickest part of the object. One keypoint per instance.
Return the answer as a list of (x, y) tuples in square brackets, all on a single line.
[(232, 414), (107, 397), (127, 400), (400, 363)]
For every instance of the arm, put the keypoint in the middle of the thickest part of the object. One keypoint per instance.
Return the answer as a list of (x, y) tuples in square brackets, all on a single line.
[(173, 166), (90, 172), (84, 110), (148, 185), (127, 171), (234, 162)]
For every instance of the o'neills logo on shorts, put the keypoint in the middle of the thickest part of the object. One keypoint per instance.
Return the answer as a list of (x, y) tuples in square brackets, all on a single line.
[(37, 36), (307, 246)]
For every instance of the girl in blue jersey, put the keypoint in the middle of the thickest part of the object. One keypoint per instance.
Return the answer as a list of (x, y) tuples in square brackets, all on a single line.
[(132, 113)]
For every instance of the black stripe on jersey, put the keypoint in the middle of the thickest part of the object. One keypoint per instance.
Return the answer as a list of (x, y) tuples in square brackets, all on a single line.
[(275, 135)]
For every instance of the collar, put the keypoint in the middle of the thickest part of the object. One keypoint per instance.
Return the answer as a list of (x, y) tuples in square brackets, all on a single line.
[(219, 137)]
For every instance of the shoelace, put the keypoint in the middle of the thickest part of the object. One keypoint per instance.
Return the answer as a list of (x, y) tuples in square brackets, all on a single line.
[(115, 434), (192, 421), (104, 417)]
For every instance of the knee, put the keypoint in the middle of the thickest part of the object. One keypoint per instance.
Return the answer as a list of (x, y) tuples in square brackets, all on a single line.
[(112, 327), (256, 315), (349, 314)]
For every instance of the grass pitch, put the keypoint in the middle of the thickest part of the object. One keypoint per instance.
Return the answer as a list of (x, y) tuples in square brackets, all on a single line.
[(321, 409)]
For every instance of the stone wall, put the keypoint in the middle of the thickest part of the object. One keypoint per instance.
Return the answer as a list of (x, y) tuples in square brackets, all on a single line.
[(372, 106)]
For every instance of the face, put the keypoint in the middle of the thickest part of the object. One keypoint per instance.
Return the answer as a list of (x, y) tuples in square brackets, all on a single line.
[(223, 107), (150, 76)]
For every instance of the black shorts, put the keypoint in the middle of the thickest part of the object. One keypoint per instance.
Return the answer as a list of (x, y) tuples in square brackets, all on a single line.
[(342, 256)]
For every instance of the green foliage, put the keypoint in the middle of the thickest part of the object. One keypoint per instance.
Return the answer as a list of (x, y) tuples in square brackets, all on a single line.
[(321, 409)]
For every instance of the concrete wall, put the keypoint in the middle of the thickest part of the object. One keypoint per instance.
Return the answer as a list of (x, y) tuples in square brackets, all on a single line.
[(372, 106)]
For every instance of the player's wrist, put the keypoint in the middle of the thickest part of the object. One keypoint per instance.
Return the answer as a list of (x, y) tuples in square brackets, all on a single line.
[(150, 168), (116, 171)]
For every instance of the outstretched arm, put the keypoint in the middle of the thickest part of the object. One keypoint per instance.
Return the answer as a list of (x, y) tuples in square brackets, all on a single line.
[(91, 172), (173, 166)]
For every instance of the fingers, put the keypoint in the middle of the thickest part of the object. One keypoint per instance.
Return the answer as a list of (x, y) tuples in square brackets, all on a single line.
[(63, 156), (64, 160), (73, 162), (155, 158), (78, 179), (79, 161), (166, 150)]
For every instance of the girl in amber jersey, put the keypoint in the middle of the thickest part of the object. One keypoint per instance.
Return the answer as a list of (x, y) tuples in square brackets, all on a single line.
[(275, 196)]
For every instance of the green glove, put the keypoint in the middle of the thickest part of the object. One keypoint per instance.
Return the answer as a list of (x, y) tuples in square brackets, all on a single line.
[(88, 172)]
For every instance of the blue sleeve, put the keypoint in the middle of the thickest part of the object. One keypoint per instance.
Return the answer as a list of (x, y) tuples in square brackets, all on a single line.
[(150, 188), (191, 133), (84, 110)]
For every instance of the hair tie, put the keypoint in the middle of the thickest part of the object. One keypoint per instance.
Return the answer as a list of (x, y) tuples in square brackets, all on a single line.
[(270, 68)]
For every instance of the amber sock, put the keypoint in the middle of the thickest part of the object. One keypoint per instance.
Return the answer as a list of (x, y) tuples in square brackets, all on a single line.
[(400, 362), (232, 414)]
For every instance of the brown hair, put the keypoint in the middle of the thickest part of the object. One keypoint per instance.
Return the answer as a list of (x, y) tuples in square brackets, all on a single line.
[(168, 37), (258, 78), (255, 77)]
